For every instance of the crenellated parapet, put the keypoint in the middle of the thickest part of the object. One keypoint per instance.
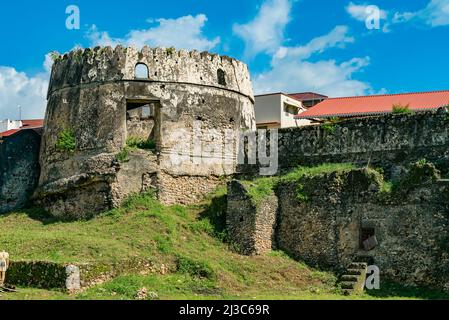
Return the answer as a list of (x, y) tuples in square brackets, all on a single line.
[(107, 64)]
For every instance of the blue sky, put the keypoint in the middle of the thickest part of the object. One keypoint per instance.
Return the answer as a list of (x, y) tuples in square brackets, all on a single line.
[(290, 45)]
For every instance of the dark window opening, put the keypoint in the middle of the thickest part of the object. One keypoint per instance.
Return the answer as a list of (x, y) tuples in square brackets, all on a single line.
[(221, 75), (368, 239)]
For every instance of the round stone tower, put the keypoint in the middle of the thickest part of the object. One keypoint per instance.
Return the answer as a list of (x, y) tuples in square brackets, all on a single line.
[(122, 121)]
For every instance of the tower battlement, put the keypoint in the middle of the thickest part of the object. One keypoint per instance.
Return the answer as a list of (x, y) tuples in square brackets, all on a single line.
[(168, 65)]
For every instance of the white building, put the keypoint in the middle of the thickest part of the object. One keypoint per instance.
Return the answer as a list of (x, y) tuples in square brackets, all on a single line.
[(7, 125), (278, 110)]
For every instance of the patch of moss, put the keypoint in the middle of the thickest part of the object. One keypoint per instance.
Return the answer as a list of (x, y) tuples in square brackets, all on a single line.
[(170, 50), (420, 172), (66, 141), (139, 143)]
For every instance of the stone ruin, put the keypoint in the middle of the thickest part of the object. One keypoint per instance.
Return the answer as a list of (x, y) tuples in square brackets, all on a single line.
[(102, 97)]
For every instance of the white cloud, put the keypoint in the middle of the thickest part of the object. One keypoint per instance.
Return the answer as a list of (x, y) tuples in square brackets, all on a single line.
[(326, 77), (338, 37), (265, 33), (363, 12), (290, 72), (17, 88), (183, 33), (436, 13)]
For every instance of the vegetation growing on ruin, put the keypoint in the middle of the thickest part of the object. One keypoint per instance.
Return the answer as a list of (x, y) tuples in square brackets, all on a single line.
[(66, 141), (331, 125), (399, 108), (170, 50), (199, 264), (260, 188), (139, 143), (55, 56), (134, 143)]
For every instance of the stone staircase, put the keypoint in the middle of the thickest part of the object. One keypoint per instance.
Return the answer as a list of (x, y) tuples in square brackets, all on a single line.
[(353, 281)]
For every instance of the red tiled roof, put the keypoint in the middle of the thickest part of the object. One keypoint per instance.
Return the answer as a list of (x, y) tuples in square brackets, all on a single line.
[(26, 124), (33, 123), (307, 96), (372, 105)]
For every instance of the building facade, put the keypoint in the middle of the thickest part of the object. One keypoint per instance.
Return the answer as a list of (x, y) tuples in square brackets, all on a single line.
[(278, 110)]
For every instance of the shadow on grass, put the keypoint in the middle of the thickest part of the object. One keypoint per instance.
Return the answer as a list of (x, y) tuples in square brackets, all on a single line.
[(215, 211), (389, 289), (36, 214)]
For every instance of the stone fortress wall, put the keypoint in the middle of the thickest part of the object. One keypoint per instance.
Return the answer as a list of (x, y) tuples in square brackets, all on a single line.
[(92, 92), (391, 142), (325, 226)]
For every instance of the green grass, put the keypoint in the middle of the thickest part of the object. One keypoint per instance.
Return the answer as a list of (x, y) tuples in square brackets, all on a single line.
[(260, 188), (188, 240)]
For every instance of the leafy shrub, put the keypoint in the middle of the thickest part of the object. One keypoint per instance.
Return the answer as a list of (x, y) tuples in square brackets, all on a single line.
[(331, 125), (66, 141), (123, 156), (139, 143), (170, 50), (55, 56), (399, 108)]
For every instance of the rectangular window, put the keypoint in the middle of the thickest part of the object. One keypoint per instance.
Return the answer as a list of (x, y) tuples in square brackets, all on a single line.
[(368, 239)]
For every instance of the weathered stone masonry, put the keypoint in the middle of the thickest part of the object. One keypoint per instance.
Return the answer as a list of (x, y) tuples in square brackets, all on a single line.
[(92, 92), (326, 228), (19, 169), (390, 142)]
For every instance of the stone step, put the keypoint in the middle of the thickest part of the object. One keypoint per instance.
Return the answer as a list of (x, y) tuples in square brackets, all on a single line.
[(354, 272), (348, 285), (349, 278), (348, 292), (358, 265)]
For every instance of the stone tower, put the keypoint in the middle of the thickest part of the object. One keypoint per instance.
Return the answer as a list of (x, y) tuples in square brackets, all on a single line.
[(179, 100)]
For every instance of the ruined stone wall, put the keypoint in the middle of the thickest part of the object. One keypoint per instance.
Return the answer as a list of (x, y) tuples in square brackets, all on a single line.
[(389, 141), (89, 92), (323, 226), (251, 226), (19, 169)]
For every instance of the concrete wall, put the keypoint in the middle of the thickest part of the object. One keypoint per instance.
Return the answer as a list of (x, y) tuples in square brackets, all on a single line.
[(268, 110), (288, 119), (19, 169), (271, 113), (88, 94)]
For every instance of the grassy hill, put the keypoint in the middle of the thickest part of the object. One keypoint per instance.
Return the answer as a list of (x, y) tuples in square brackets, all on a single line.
[(186, 243)]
